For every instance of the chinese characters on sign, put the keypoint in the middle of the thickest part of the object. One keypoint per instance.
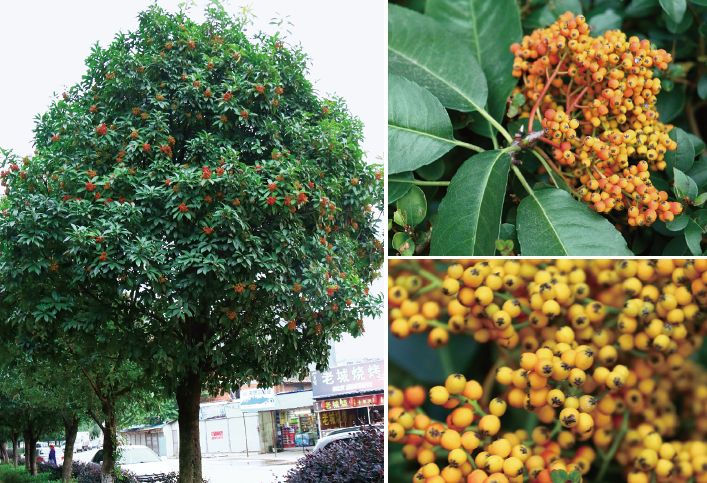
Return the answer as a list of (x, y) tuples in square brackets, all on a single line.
[(352, 378), (349, 402), (216, 434)]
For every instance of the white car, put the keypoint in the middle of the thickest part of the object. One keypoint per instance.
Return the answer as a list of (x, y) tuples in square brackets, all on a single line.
[(337, 435), (138, 459)]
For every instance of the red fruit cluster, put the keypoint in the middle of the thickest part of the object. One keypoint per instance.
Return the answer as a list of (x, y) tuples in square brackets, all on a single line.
[(271, 200), (205, 172), (227, 96)]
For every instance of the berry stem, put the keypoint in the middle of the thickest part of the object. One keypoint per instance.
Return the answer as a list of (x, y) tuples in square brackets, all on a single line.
[(551, 143), (556, 429), (417, 432), (522, 179), (577, 99), (419, 182), (469, 146), (614, 447), (494, 123), (477, 407), (543, 92), (489, 380), (545, 160)]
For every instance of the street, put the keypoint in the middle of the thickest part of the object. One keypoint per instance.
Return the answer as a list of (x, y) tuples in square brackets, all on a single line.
[(257, 468)]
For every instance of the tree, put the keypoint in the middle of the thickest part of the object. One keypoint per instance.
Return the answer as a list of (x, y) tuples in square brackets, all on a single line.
[(196, 185)]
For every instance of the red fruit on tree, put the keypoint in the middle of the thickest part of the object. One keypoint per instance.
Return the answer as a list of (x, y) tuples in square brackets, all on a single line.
[(146, 147)]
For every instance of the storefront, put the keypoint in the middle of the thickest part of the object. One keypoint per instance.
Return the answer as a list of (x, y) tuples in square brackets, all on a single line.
[(286, 420), (347, 396)]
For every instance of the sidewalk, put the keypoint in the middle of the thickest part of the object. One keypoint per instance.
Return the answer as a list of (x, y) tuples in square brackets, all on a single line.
[(287, 456)]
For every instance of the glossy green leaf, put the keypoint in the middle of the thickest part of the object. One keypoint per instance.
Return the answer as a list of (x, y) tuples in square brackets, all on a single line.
[(674, 8), (547, 14), (412, 207), (670, 104), (679, 223), (685, 187), (489, 28), (606, 20), (693, 237), (398, 189), (702, 86), (424, 51), (419, 129), (640, 8), (403, 243), (469, 217), (700, 200), (684, 156), (552, 223)]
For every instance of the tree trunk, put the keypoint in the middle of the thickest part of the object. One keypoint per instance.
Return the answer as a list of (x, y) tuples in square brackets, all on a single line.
[(30, 451), (71, 427), (109, 442), (15, 449), (3, 452), (188, 397)]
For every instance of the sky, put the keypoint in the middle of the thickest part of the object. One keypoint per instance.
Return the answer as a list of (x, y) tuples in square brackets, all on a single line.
[(46, 44)]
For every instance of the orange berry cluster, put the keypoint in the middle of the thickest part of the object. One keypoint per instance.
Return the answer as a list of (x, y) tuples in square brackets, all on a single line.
[(596, 348), (597, 97)]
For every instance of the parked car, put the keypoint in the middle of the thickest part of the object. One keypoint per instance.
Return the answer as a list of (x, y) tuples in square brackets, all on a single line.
[(338, 435), (138, 459)]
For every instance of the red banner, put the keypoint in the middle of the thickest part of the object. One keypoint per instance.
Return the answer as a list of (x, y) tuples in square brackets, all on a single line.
[(216, 434), (349, 402)]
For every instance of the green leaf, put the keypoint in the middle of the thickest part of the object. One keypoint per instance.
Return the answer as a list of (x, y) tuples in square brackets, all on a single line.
[(684, 187), (640, 8), (398, 189), (678, 27), (679, 223), (606, 20), (419, 129), (693, 237), (489, 28), (469, 217), (700, 200), (547, 14), (702, 87), (422, 50), (684, 156), (670, 104), (558, 476), (552, 223), (698, 143), (404, 244), (674, 8), (412, 207)]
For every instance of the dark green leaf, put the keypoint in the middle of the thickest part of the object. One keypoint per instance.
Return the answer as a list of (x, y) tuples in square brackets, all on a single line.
[(552, 223), (412, 207), (558, 476), (469, 215), (702, 86), (693, 237), (678, 223), (419, 129), (684, 187), (606, 20), (640, 8), (397, 190), (422, 50), (489, 28), (674, 8), (403, 243), (700, 200), (684, 156), (671, 104)]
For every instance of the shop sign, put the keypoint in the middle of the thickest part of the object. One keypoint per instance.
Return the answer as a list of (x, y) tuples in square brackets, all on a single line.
[(257, 399), (349, 402), (351, 378), (216, 434)]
